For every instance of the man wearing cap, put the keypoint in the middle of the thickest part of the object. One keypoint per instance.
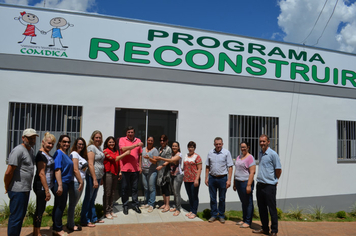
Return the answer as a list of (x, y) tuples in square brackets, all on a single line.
[(18, 180), (218, 178)]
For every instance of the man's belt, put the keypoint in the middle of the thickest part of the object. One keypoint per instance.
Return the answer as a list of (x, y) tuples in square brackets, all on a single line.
[(219, 176)]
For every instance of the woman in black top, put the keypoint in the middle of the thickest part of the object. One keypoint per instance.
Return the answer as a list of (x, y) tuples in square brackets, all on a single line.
[(44, 179)]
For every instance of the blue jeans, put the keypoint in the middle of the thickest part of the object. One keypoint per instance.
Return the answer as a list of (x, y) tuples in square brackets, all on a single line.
[(74, 196), (18, 208), (60, 203), (192, 193), (176, 184), (215, 184), (149, 184), (88, 213), (246, 200)]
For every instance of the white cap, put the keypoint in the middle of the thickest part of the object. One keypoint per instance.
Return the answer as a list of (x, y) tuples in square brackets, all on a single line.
[(29, 132)]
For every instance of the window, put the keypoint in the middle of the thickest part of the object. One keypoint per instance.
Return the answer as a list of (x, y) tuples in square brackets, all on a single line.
[(250, 128), (146, 122), (56, 119), (346, 141)]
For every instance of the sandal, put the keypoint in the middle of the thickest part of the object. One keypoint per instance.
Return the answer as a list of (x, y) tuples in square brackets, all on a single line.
[(162, 207), (244, 225), (89, 225), (79, 228), (176, 213), (99, 221), (172, 209), (188, 214), (56, 233), (165, 210), (109, 216), (192, 216)]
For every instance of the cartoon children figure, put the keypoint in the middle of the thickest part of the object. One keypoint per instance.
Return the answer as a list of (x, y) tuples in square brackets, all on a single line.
[(57, 23), (28, 20)]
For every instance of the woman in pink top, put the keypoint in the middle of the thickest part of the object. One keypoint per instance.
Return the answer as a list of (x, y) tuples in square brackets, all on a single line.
[(245, 168), (192, 165)]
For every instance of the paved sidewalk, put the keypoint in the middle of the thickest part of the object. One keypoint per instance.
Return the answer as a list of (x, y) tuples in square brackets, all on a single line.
[(154, 217), (204, 228), (165, 224)]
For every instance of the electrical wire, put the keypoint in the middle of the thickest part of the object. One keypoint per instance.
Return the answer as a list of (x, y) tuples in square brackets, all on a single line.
[(327, 23), (303, 42)]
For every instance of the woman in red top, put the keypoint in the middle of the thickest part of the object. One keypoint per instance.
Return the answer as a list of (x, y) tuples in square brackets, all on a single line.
[(111, 164), (192, 165)]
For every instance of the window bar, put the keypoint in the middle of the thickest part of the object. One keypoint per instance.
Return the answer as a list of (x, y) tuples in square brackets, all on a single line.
[(51, 120), (13, 126), (65, 125), (77, 121), (56, 122), (62, 117), (146, 126)]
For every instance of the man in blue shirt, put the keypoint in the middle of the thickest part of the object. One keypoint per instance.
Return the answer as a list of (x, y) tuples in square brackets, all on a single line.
[(218, 177), (269, 171)]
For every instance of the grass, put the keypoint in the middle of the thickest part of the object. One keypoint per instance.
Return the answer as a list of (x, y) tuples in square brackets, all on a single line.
[(46, 218), (313, 214), (316, 212)]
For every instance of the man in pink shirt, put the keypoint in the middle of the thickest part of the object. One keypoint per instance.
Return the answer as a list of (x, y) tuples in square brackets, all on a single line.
[(130, 168)]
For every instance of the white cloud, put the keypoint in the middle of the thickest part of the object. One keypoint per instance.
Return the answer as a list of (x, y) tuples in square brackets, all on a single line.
[(77, 5), (17, 2), (297, 19)]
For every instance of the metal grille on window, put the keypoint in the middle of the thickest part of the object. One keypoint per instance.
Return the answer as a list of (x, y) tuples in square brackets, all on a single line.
[(346, 140), (249, 128), (56, 119)]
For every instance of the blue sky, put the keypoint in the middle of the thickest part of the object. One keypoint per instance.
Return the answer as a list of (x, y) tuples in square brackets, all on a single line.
[(330, 24), (255, 18)]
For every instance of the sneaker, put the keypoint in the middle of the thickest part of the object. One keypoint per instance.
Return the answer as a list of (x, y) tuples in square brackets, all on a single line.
[(150, 209), (212, 219), (222, 220)]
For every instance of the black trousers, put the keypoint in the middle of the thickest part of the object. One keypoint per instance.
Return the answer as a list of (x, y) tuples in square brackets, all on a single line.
[(40, 207), (130, 180), (266, 201)]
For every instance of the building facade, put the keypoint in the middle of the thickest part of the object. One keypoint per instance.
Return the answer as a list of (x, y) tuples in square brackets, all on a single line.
[(73, 73)]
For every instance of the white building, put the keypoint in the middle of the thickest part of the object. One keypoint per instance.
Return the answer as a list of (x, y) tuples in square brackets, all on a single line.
[(189, 84)]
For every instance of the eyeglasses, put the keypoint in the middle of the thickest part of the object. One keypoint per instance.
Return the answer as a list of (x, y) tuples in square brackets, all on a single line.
[(65, 141), (161, 140)]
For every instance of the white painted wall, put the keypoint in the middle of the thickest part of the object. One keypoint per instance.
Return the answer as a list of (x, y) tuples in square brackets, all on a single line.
[(307, 123)]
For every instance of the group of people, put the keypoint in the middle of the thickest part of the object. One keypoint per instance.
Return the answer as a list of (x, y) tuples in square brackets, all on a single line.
[(168, 168), (64, 174), (164, 167), (218, 176), (126, 159)]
